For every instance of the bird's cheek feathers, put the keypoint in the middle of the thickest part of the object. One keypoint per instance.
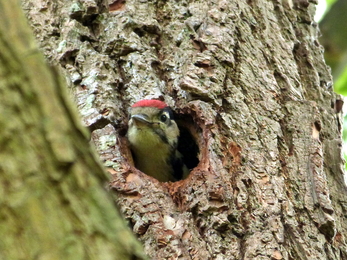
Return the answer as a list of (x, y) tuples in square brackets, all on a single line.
[(143, 136)]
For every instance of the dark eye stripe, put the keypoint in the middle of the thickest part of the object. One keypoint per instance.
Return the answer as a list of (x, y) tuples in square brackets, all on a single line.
[(168, 112), (162, 135)]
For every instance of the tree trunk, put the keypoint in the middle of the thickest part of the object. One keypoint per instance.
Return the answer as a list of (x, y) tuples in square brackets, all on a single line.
[(53, 201), (251, 77)]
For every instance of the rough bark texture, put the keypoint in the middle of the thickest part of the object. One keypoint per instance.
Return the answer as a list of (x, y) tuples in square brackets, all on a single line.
[(251, 75), (52, 196)]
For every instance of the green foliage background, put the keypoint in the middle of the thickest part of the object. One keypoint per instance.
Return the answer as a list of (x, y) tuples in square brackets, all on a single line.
[(333, 27)]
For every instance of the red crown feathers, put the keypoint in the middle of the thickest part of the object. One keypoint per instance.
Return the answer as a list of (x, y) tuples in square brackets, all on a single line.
[(150, 103)]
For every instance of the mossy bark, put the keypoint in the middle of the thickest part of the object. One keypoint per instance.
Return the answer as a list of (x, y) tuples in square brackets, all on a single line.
[(251, 74), (54, 204)]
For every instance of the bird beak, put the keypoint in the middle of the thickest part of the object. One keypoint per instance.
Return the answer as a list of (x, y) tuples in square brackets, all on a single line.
[(141, 118)]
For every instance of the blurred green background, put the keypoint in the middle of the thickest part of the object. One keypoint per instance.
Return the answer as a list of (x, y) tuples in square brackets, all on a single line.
[(332, 18)]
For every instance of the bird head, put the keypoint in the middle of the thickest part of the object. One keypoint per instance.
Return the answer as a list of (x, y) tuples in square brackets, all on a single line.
[(153, 136), (153, 118)]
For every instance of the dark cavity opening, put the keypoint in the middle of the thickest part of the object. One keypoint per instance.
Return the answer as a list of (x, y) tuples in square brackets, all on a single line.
[(188, 140)]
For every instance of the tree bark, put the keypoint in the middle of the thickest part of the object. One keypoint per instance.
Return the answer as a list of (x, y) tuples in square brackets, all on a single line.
[(53, 201), (251, 76)]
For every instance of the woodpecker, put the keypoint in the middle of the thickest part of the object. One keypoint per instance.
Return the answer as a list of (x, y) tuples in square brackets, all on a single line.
[(153, 137)]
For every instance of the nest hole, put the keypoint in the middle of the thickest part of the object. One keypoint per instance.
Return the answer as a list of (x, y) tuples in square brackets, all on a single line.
[(188, 140), (189, 143)]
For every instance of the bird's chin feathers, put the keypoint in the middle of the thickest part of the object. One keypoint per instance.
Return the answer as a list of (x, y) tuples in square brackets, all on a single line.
[(145, 137), (151, 153)]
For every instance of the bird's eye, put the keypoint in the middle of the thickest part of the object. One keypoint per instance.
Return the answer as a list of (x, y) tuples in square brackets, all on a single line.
[(163, 118)]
